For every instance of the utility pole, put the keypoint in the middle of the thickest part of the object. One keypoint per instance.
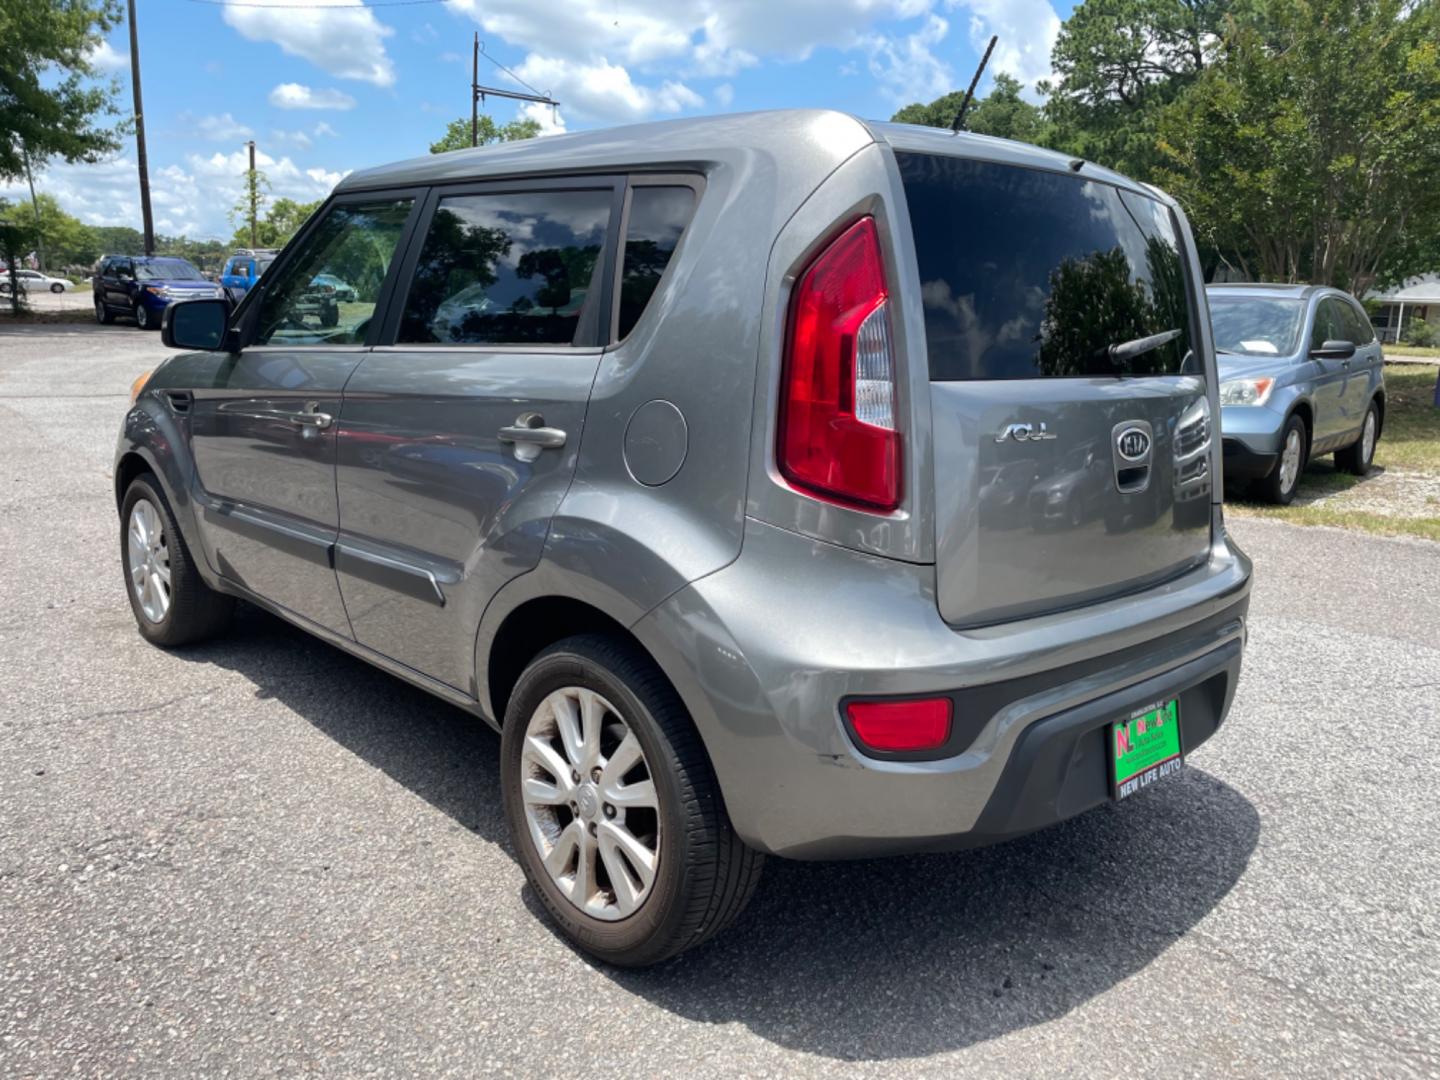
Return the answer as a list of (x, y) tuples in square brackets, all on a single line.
[(35, 205), (149, 221), (252, 183), (478, 92)]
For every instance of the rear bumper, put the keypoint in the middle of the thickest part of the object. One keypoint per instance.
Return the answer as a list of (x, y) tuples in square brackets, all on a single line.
[(764, 651)]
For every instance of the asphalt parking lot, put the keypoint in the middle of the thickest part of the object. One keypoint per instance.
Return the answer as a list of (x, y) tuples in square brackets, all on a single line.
[(262, 856)]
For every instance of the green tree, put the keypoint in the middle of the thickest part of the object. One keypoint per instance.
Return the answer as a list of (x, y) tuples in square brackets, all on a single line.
[(282, 220), (1120, 62), (13, 237), (1002, 113), (50, 98), (457, 133), (1307, 150), (254, 194)]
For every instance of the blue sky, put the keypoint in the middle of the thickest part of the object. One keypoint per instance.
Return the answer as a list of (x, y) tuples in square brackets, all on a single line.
[(328, 87)]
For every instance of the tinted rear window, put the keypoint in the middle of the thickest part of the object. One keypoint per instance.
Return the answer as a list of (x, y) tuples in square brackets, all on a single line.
[(658, 216), (1029, 274)]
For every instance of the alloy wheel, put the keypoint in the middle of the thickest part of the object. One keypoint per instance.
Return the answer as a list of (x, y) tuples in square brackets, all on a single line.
[(148, 560), (591, 808)]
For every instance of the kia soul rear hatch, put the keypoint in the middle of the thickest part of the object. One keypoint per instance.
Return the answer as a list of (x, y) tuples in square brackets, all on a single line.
[(1070, 422)]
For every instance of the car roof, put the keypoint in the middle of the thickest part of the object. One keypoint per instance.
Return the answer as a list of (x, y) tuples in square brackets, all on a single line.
[(809, 142), (1271, 289)]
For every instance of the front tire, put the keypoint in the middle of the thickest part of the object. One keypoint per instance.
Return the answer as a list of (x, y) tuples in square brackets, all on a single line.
[(1279, 487), (144, 319), (57, 288), (170, 600), (1357, 458), (614, 809)]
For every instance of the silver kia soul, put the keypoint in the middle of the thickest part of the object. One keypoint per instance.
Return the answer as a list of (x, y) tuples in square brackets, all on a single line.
[(776, 484)]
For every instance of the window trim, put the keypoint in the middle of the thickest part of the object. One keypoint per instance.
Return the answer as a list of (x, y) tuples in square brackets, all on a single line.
[(696, 183), (400, 286), (244, 318)]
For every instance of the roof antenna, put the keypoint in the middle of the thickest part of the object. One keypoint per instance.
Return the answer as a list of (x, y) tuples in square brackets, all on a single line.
[(959, 124)]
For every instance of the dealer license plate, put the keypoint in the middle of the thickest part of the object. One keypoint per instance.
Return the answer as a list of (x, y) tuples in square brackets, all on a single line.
[(1145, 748)]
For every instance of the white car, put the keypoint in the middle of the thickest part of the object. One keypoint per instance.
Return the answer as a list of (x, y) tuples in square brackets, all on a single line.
[(34, 281)]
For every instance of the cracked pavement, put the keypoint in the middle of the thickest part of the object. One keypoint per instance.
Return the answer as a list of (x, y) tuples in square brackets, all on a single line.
[(262, 856)]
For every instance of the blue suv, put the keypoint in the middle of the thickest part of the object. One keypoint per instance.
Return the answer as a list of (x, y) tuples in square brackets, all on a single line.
[(143, 286), (243, 269)]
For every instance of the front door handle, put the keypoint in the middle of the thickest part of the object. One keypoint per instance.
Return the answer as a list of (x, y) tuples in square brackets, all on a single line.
[(310, 417), (530, 436)]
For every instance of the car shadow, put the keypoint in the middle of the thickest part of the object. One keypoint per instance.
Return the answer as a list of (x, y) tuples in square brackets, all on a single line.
[(859, 961)]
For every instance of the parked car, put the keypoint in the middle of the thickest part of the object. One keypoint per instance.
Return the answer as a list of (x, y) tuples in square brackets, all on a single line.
[(1301, 375), (33, 281), (143, 286), (343, 292), (243, 269), (703, 545)]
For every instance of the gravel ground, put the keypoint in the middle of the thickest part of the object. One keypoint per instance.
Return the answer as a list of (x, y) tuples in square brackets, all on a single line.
[(263, 857)]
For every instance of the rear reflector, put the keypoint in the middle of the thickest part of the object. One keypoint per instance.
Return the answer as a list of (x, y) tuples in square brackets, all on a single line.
[(901, 725), (838, 438)]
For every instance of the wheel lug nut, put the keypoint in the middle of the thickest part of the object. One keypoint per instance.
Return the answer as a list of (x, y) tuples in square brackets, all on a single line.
[(592, 828), (595, 775), (609, 810), (575, 775)]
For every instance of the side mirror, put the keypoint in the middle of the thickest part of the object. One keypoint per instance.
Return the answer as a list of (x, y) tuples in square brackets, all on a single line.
[(1334, 350), (195, 324)]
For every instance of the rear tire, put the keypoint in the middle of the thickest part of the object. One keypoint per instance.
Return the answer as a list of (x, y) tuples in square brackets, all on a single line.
[(700, 873), (170, 600), (102, 313), (1279, 487), (1357, 458)]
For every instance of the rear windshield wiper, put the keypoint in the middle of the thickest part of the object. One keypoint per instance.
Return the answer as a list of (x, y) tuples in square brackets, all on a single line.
[(1128, 350)]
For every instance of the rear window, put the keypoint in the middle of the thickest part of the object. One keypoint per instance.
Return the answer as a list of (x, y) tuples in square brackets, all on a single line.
[(657, 219), (1028, 274)]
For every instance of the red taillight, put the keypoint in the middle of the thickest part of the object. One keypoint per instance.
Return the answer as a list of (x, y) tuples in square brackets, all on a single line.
[(901, 725), (838, 435)]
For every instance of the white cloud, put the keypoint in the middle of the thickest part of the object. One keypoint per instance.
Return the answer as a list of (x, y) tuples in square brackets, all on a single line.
[(1027, 30), (297, 96), (105, 57), (907, 69), (550, 120), (301, 138), (337, 36), (604, 91), (222, 128), (724, 95), (190, 197)]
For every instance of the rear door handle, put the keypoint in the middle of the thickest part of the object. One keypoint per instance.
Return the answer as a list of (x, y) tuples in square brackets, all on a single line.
[(530, 436)]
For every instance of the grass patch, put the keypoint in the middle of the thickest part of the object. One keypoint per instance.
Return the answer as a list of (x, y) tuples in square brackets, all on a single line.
[(1410, 443), (1415, 350)]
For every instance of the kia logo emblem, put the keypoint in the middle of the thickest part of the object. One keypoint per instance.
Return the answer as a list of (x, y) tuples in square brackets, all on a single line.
[(1133, 443)]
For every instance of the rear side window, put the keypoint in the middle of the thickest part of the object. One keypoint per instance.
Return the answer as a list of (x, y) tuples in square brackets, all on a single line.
[(519, 268), (1028, 274), (657, 219)]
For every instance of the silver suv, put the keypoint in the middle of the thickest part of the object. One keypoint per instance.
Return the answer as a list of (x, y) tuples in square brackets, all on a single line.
[(780, 483)]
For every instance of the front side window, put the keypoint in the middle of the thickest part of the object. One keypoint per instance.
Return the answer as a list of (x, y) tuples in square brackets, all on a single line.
[(657, 219), (518, 268), (354, 243), (1329, 323), (1029, 274), (1256, 325), (1357, 323)]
